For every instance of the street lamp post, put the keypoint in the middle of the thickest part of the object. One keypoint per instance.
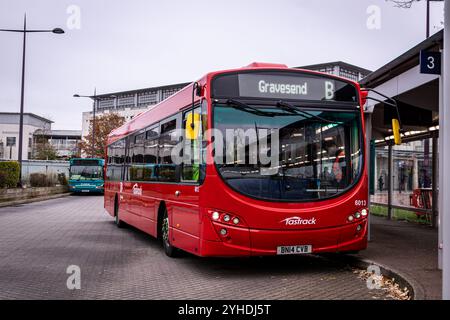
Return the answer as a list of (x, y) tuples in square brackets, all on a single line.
[(22, 91), (444, 165), (95, 99)]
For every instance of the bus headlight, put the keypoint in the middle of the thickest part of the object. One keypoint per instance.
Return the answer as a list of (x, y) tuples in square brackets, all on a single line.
[(215, 215), (350, 218), (227, 218), (357, 215), (364, 212)]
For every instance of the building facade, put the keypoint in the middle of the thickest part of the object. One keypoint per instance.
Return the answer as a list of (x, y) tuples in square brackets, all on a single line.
[(341, 69), (128, 104), (36, 129), (9, 134), (65, 142)]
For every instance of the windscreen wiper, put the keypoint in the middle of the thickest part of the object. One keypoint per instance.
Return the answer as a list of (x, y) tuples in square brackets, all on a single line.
[(245, 107), (287, 107), (296, 110)]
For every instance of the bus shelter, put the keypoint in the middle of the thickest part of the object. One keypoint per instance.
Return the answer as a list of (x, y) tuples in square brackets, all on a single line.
[(405, 179)]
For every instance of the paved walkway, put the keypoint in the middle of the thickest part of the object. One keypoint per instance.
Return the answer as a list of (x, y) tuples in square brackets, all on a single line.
[(410, 249), (39, 241)]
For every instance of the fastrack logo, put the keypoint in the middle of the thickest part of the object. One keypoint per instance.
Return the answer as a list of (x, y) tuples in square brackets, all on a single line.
[(137, 190), (294, 221)]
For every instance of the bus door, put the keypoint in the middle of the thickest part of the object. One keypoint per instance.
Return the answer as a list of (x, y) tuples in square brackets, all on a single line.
[(185, 195), (126, 186)]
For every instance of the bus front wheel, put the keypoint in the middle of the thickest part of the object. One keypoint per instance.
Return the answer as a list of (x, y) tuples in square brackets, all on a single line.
[(170, 250)]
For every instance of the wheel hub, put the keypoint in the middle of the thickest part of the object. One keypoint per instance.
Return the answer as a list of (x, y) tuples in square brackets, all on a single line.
[(165, 230)]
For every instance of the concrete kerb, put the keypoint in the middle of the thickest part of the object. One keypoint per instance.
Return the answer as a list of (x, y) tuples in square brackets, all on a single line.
[(415, 289), (30, 200)]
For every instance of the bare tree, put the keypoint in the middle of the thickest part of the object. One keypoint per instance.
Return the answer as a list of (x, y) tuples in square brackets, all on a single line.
[(42, 148), (404, 4), (103, 126)]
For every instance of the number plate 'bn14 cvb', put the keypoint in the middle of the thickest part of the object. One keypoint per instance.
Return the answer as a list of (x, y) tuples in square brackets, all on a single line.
[(299, 249)]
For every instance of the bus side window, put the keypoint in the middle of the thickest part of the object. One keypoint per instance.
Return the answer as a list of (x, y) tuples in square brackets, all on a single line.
[(108, 163), (137, 157), (115, 160), (167, 169), (151, 153)]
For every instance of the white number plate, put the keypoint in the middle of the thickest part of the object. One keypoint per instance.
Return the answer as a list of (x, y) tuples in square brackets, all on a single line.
[(300, 249), (84, 190)]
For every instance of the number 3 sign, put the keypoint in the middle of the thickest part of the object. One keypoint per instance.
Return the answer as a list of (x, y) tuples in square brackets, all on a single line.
[(430, 62)]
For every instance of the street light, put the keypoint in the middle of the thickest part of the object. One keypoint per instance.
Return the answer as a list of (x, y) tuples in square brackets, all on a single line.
[(95, 98), (25, 31), (58, 31)]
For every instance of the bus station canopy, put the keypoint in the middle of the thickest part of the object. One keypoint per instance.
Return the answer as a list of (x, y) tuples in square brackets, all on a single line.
[(417, 94)]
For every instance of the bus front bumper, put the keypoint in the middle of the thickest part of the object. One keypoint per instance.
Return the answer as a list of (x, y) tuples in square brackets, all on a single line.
[(256, 242), (86, 189)]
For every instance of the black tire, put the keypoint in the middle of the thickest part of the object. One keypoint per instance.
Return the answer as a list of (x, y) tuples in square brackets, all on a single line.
[(170, 250), (119, 223)]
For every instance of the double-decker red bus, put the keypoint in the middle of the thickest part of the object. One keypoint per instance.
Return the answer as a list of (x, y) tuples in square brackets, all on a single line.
[(225, 198)]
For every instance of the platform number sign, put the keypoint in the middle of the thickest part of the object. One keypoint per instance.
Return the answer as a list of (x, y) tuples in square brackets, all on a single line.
[(430, 62)]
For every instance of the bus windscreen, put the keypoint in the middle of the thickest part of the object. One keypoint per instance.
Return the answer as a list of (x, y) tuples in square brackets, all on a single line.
[(318, 154)]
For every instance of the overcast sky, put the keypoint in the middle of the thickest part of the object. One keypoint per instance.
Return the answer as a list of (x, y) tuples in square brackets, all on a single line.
[(123, 45)]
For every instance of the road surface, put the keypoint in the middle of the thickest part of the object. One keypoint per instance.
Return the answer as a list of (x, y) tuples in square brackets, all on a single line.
[(39, 241)]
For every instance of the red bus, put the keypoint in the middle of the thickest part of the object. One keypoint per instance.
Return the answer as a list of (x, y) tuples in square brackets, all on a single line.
[(225, 198)]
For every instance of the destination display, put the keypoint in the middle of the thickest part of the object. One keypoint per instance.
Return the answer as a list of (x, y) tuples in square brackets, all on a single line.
[(289, 86)]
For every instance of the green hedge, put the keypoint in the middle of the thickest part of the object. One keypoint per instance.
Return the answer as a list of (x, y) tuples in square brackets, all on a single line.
[(9, 174)]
